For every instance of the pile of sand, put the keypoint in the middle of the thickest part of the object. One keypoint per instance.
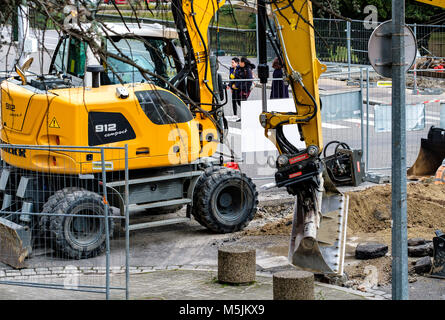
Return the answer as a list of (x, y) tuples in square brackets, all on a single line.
[(370, 210)]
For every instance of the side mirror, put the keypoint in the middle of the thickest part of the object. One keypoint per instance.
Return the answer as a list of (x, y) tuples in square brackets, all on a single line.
[(27, 64), (21, 74)]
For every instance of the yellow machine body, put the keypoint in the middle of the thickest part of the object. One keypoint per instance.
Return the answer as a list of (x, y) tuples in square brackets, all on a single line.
[(437, 3), (198, 15), (297, 40), (61, 118)]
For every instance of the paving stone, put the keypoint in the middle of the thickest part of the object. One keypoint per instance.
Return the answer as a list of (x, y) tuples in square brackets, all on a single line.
[(173, 267), (207, 267), (43, 272), (136, 271), (422, 250), (13, 273), (188, 267), (423, 265), (272, 262), (379, 292), (158, 268), (148, 268), (71, 271), (416, 241), (57, 269), (370, 250), (27, 272), (86, 268), (90, 271), (41, 269), (100, 268)]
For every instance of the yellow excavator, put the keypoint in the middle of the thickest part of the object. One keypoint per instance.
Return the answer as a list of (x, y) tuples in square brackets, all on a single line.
[(172, 137)]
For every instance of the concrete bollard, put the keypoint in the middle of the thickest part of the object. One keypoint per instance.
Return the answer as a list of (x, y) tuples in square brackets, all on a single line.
[(293, 285), (236, 264)]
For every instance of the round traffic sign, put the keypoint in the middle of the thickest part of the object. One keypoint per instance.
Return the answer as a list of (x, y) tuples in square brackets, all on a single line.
[(380, 49)]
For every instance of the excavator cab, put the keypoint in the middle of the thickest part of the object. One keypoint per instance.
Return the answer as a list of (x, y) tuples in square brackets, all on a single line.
[(151, 47)]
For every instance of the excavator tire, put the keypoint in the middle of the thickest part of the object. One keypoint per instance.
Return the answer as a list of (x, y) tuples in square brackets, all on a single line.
[(49, 207), (207, 173), (77, 237), (226, 201)]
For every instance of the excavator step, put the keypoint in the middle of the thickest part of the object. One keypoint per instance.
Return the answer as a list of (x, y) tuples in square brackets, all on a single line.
[(160, 223), (161, 204), (156, 179)]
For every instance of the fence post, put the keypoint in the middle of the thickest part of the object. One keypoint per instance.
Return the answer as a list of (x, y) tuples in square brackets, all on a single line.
[(348, 43), (107, 230), (362, 129), (415, 64), (127, 229), (398, 183), (367, 120)]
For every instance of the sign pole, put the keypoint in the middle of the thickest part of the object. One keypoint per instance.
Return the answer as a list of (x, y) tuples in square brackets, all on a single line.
[(398, 183)]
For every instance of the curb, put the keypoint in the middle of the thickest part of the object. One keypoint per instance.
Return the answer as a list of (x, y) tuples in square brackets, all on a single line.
[(276, 201)]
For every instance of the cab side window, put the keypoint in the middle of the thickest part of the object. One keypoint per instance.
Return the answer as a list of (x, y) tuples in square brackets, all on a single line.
[(70, 58), (60, 60)]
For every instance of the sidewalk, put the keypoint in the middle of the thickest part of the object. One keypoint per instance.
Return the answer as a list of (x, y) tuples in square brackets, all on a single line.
[(168, 283)]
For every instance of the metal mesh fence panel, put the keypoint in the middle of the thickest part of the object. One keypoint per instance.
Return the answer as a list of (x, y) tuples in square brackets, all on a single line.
[(61, 226), (330, 40)]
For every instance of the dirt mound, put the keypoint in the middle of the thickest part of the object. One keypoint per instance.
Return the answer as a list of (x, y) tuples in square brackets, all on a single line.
[(370, 213), (370, 209), (280, 227), (375, 271)]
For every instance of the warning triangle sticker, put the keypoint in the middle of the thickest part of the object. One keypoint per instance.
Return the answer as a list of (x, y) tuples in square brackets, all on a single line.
[(54, 123)]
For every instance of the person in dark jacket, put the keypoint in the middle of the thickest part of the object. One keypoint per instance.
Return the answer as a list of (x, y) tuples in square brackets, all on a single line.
[(245, 72), (279, 89), (236, 95)]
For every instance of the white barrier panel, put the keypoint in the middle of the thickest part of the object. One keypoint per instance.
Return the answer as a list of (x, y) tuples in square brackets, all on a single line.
[(415, 117), (252, 133), (442, 115)]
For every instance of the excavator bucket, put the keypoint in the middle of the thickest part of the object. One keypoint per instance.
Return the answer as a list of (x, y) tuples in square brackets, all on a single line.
[(15, 243), (431, 154), (324, 253)]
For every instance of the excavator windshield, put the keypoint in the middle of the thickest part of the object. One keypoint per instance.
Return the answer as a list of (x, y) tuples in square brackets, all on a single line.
[(156, 55)]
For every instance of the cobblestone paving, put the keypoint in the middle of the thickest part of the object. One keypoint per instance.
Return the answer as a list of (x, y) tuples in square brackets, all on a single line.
[(148, 282)]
